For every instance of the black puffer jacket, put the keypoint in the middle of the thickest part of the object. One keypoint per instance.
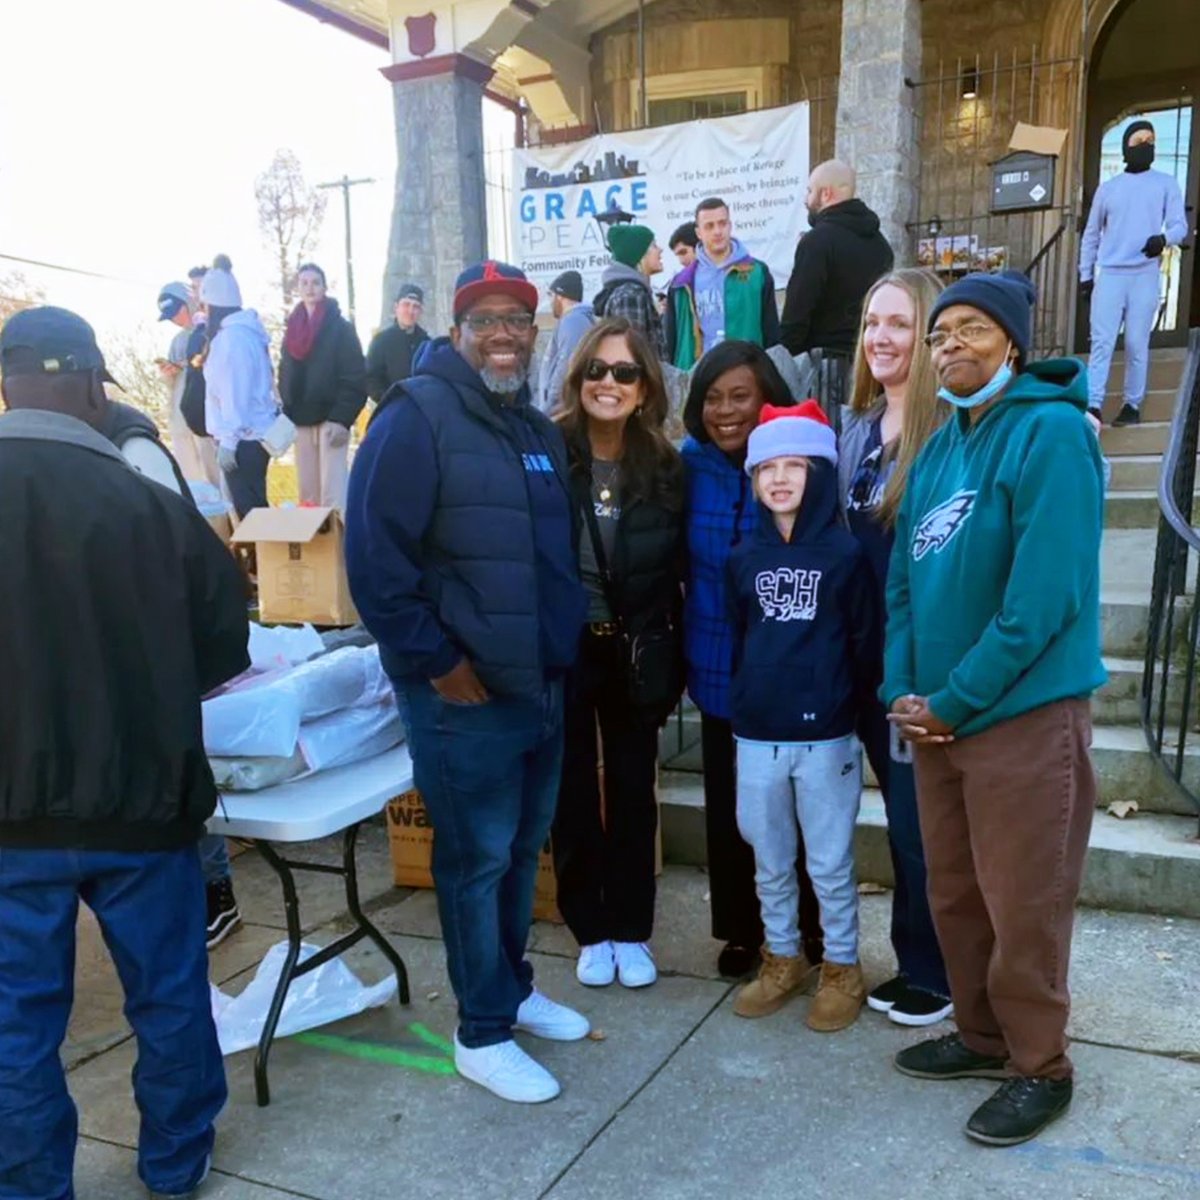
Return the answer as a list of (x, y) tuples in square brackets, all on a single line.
[(331, 383), (650, 553)]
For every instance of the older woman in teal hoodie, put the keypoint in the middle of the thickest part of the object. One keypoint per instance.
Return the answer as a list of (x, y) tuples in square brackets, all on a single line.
[(993, 649)]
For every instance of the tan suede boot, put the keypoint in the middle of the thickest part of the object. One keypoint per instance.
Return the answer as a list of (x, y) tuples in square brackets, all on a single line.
[(779, 978), (840, 995)]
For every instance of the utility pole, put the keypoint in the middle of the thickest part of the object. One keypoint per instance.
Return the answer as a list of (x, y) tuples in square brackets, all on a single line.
[(346, 183)]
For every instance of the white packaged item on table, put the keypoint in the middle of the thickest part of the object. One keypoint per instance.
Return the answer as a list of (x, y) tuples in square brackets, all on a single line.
[(273, 646), (330, 993), (353, 734), (263, 721), (254, 774)]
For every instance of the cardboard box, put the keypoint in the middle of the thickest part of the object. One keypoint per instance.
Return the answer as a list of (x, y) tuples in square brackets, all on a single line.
[(222, 526), (410, 836), (1038, 139), (301, 568)]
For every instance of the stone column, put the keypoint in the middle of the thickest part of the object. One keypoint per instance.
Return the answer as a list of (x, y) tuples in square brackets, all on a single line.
[(439, 218), (876, 121)]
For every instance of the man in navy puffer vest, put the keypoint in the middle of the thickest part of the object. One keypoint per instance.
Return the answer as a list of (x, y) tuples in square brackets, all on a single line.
[(460, 549)]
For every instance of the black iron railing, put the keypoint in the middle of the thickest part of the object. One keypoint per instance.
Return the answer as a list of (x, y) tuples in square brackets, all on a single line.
[(1170, 704)]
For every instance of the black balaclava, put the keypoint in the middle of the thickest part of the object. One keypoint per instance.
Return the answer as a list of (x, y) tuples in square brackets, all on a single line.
[(1137, 158)]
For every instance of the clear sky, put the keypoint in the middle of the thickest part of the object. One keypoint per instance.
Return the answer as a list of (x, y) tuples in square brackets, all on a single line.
[(131, 132)]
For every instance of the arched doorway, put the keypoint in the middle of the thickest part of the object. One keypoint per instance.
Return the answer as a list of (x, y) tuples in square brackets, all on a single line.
[(1145, 63)]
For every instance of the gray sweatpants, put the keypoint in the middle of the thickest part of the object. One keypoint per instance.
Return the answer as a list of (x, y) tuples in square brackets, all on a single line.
[(819, 786)]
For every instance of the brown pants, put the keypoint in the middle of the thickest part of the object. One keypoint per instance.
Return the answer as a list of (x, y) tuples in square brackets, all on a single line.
[(321, 469), (1005, 817)]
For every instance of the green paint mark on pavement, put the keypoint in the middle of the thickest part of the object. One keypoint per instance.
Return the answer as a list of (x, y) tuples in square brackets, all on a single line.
[(391, 1055)]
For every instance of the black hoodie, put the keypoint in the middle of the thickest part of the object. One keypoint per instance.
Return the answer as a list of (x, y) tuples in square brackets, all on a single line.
[(836, 263), (807, 631)]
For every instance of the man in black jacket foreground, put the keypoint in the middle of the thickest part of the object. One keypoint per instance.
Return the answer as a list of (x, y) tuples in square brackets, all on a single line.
[(836, 263), (391, 355), (121, 608)]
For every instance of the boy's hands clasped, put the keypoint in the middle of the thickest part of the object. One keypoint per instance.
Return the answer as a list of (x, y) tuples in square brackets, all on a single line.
[(917, 722)]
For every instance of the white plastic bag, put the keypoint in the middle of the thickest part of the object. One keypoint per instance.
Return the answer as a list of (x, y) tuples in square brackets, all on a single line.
[(351, 735), (330, 993), (282, 646)]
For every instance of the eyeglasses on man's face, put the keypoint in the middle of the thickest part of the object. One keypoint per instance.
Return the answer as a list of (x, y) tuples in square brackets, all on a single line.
[(486, 323)]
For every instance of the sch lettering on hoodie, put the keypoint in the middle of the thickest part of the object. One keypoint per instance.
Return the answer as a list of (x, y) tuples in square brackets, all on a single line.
[(806, 623)]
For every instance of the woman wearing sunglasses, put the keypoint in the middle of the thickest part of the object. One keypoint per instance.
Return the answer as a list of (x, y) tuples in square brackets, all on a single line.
[(993, 651), (731, 384), (627, 481), (894, 410)]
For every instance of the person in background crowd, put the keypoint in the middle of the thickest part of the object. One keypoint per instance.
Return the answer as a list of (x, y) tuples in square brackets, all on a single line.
[(725, 293), (1135, 216), (574, 320), (993, 650), (323, 388), (239, 405), (628, 483), (625, 290), (840, 257), (461, 560), (807, 653), (894, 410), (195, 453), (683, 243), (102, 768), (729, 388), (195, 276), (393, 350)]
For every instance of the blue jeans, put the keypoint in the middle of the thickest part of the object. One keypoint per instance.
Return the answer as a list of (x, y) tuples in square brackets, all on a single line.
[(914, 939), (489, 776), (810, 788), (150, 908), (214, 858)]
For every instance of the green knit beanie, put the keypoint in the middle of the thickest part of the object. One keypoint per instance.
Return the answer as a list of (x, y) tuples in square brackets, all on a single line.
[(629, 243)]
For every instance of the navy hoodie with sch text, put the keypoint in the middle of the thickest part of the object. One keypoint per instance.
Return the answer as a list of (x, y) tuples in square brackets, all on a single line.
[(807, 645)]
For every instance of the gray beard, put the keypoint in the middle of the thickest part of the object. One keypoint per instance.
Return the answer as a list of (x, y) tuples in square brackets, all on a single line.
[(504, 385)]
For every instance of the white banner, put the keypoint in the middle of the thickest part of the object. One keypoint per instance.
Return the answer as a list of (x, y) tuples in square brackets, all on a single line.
[(757, 162)]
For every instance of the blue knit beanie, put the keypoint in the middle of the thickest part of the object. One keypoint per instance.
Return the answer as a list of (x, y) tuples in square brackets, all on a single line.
[(1007, 297)]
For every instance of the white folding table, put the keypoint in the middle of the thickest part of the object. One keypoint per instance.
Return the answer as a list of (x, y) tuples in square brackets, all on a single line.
[(335, 801)]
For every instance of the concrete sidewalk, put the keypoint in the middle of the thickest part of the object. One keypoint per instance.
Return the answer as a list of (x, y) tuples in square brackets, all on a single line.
[(679, 1099)]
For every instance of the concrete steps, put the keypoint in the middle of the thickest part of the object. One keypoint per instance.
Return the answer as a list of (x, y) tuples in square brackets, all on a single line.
[(1147, 863), (1135, 473), (1158, 405), (1150, 437)]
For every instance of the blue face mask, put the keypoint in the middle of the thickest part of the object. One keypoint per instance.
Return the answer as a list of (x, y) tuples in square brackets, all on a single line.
[(989, 391)]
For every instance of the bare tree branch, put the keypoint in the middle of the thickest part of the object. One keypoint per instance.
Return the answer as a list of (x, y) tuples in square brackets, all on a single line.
[(290, 212)]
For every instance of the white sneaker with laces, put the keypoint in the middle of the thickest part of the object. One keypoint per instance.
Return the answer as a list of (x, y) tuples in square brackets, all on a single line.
[(635, 964), (506, 1071), (542, 1017), (597, 966)]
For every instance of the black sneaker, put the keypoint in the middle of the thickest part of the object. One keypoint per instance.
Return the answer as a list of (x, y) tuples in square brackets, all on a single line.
[(917, 1008), (886, 994), (1019, 1110), (736, 961), (1127, 416), (223, 914), (948, 1057)]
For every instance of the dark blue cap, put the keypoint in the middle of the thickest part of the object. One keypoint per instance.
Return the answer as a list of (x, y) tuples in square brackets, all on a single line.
[(49, 341), (492, 279), (1007, 297)]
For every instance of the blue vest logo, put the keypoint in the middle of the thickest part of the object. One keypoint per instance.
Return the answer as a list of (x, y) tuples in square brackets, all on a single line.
[(538, 464)]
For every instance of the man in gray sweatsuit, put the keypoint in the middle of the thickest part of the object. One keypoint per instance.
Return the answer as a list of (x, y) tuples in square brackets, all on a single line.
[(574, 320)]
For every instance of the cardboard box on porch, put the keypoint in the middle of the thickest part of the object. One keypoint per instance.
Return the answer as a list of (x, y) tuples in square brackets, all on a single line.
[(301, 569), (410, 836)]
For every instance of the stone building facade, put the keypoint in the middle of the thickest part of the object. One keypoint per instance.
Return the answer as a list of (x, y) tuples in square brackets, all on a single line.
[(921, 96)]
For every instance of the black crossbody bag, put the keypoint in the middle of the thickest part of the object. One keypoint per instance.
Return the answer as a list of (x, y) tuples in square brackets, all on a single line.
[(654, 670)]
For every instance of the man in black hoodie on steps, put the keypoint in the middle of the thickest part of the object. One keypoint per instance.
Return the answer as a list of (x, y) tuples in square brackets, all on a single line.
[(836, 262)]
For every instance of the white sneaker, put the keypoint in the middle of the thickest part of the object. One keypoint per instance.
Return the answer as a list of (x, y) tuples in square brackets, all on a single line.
[(542, 1017), (506, 1071), (635, 965), (596, 967)]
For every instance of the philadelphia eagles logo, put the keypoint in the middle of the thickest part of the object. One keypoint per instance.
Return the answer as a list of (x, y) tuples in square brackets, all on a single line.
[(939, 525)]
